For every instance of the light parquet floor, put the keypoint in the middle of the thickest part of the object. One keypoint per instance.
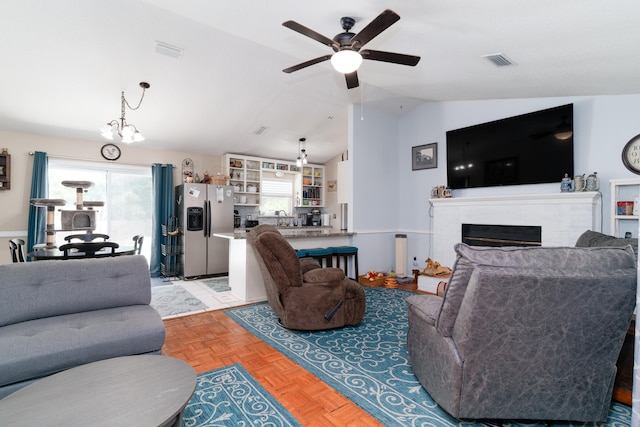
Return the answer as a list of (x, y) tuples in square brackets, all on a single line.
[(212, 340)]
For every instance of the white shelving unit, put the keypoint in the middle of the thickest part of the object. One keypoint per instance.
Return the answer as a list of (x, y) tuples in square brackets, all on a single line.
[(246, 174), (312, 185), (245, 179), (624, 190)]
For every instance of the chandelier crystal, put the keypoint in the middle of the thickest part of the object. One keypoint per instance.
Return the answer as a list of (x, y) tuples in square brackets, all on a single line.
[(127, 132)]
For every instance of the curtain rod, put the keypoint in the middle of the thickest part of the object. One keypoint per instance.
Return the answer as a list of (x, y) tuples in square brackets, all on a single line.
[(55, 156)]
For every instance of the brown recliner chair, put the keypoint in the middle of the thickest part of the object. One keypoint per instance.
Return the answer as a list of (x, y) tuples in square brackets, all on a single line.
[(303, 295)]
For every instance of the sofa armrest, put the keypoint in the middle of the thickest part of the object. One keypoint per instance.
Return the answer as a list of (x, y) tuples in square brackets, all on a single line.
[(324, 275), (425, 307), (308, 264)]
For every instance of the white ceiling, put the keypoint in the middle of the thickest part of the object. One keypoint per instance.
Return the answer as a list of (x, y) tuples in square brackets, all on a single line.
[(64, 63)]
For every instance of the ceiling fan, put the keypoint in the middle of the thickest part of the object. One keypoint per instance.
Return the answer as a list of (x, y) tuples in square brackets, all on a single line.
[(348, 56)]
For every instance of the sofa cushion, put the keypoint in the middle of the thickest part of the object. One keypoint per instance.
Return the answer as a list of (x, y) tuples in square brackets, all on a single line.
[(579, 260), (42, 289), (41, 347)]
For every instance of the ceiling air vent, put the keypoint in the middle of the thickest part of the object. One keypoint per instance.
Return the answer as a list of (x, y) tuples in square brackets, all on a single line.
[(260, 130), (499, 59), (168, 50)]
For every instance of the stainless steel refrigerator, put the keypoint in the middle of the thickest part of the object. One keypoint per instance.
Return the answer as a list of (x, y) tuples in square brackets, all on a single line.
[(202, 210)]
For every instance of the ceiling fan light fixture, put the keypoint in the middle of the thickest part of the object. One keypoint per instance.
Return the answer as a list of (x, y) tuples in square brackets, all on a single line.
[(346, 61)]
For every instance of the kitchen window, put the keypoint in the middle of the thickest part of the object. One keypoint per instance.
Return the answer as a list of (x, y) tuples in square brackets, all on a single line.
[(276, 193), (126, 191)]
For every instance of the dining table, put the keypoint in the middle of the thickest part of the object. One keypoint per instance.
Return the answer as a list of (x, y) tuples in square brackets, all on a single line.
[(57, 254)]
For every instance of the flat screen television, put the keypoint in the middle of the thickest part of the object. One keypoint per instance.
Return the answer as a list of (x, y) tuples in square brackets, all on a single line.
[(533, 148)]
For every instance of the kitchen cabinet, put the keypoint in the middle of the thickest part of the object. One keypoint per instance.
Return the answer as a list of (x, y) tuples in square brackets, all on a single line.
[(312, 185), (245, 175), (5, 171), (625, 220)]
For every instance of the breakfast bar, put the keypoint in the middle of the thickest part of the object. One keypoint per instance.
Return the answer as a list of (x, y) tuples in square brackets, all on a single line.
[(245, 277)]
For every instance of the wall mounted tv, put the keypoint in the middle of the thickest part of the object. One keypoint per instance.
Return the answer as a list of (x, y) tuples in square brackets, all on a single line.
[(533, 148)]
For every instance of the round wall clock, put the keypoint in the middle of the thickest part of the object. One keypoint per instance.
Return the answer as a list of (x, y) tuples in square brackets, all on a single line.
[(110, 152), (631, 155)]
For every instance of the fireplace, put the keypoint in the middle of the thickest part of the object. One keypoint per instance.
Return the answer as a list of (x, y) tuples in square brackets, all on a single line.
[(562, 217), (501, 235)]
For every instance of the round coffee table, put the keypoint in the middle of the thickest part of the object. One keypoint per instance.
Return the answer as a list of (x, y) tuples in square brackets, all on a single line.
[(133, 390)]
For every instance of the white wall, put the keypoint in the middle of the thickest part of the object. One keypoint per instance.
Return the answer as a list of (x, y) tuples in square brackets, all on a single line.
[(389, 197)]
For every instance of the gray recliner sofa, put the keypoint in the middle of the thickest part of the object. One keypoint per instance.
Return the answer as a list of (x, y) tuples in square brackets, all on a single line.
[(525, 333), (55, 315)]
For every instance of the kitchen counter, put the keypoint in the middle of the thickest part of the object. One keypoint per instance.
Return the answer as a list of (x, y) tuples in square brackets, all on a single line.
[(245, 276), (297, 232)]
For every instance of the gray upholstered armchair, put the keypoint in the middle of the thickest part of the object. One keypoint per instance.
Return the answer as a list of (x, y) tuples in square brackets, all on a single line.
[(525, 333), (303, 295)]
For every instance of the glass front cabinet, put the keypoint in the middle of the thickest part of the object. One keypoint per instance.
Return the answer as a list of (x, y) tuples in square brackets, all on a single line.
[(246, 173)]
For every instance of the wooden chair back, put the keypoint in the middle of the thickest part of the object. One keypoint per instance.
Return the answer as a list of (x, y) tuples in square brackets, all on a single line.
[(87, 237), (137, 244), (16, 246), (88, 248)]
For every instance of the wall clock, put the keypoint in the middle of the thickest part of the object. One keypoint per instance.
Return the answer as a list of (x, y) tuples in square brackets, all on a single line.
[(110, 152), (631, 155)]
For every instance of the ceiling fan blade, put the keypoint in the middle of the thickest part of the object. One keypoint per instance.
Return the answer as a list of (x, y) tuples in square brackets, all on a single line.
[(375, 27), (396, 58), (307, 63), (352, 80), (312, 34)]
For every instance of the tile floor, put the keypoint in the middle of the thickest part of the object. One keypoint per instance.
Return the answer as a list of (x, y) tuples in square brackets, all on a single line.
[(211, 299)]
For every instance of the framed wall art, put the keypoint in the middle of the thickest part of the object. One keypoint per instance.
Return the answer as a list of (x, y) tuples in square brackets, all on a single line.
[(424, 156)]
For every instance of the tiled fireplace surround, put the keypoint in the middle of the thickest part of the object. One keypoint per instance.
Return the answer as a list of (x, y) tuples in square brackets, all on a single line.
[(562, 216)]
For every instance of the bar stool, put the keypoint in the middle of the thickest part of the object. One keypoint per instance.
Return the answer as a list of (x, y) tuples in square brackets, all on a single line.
[(344, 253), (321, 254), (301, 253)]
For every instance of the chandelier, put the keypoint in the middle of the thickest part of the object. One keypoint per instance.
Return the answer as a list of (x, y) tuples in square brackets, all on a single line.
[(119, 127), (302, 152)]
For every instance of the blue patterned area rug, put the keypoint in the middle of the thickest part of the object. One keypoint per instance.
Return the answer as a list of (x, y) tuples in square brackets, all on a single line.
[(230, 396), (368, 363)]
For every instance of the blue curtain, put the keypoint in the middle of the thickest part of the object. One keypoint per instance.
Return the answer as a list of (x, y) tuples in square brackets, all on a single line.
[(163, 211), (39, 190)]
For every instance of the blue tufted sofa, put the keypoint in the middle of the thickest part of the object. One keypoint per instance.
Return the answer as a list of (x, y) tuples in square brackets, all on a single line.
[(55, 315), (525, 333)]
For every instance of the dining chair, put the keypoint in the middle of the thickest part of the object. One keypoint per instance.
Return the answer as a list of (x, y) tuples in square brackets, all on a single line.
[(86, 237), (137, 244), (16, 246), (88, 248)]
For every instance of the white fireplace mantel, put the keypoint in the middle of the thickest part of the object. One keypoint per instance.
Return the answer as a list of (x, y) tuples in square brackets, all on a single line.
[(562, 216)]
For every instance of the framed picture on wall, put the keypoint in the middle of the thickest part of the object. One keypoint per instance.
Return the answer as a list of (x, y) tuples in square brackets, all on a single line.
[(424, 156)]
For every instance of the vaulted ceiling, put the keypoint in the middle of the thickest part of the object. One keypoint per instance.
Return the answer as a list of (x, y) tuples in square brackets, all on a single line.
[(65, 62)]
